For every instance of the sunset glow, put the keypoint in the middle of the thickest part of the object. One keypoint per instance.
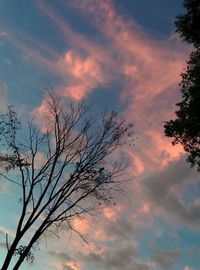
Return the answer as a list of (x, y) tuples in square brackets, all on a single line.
[(113, 55)]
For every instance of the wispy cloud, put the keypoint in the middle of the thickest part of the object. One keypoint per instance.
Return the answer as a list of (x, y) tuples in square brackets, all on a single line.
[(3, 91), (166, 191), (147, 70), (85, 74)]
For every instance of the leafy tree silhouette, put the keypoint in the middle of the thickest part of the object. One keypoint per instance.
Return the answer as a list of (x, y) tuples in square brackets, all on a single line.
[(185, 129)]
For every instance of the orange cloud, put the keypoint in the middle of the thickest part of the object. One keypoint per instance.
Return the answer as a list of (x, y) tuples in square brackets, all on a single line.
[(85, 67), (137, 164), (72, 265), (81, 225), (40, 113), (164, 151), (145, 208), (147, 69), (42, 109), (79, 67), (85, 74), (151, 69), (111, 213)]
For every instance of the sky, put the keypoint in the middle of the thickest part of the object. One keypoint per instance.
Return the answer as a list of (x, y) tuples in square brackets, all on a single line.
[(124, 56)]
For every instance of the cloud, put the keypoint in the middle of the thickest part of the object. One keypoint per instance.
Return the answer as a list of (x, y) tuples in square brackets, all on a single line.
[(143, 61), (3, 245), (85, 66), (144, 67), (164, 190), (3, 91), (111, 213), (4, 187), (81, 69), (85, 74), (120, 258), (188, 268), (165, 259), (70, 265), (122, 228), (148, 72), (5, 231), (65, 261), (64, 256), (126, 257), (121, 255)]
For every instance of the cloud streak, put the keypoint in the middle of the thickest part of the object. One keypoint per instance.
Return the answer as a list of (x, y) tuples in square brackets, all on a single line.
[(166, 191), (3, 91), (147, 70), (148, 73)]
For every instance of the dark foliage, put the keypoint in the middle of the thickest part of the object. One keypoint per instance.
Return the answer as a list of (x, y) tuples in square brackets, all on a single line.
[(185, 129), (188, 25)]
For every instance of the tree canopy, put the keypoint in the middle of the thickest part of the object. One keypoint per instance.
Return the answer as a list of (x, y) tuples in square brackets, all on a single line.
[(185, 129), (188, 25)]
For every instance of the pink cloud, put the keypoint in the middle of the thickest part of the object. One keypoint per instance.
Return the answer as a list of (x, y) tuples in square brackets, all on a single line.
[(85, 66), (81, 225), (40, 113), (148, 70), (137, 167), (111, 213), (85, 74), (145, 208), (73, 265), (151, 69)]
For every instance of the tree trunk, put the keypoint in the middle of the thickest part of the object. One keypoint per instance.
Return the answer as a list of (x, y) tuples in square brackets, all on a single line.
[(26, 251), (10, 253)]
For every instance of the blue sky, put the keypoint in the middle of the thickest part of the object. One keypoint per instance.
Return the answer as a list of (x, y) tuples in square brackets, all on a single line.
[(121, 55)]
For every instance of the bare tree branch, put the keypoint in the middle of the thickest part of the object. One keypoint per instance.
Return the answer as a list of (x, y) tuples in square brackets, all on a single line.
[(63, 171)]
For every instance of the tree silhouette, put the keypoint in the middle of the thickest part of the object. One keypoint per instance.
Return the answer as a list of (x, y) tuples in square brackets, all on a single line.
[(185, 129), (76, 171)]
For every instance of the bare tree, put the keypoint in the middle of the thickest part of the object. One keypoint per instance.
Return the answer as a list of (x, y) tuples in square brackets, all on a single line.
[(75, 173)]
